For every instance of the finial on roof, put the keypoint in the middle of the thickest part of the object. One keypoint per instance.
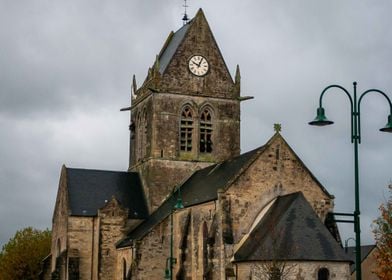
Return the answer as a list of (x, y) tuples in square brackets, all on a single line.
[(156, 64), (277, 127), (237, 75), (185, 18), (134, 87)]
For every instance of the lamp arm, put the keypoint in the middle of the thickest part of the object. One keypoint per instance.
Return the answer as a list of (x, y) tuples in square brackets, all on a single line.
[(351, 104), (359, 105), (378, 91)]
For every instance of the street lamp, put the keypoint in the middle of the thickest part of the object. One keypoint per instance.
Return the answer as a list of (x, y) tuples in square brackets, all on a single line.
[(346, 243), (170, 261), (322, 120)]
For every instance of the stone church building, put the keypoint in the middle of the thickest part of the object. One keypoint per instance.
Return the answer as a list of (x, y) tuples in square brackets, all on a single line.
[(190, 205)]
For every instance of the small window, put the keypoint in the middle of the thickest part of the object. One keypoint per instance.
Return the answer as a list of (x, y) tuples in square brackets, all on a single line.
[(186, 129), (138, 137), (144, 133), (124, 269), (206, 131), (323, 274), (141, 135), (275, 273)]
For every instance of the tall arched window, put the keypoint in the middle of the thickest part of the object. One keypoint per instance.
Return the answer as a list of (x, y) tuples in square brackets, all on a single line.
[(323, 274), (138, 137), (144, 133), (124, 269), (205, 131), (141, 135), (186, 129), (58, 248)]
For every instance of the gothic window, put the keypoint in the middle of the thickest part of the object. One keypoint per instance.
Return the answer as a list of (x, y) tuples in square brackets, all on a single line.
[(141, 134), (124, 269), (205, 247), (323, 274), (186, 129), (144, 133), (139, 137), (206, 131)]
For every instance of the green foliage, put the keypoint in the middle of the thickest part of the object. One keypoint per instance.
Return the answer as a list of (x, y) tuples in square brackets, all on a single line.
[(383, 235), (21, 257)]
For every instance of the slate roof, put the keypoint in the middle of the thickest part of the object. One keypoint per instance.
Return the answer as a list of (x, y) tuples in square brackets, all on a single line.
[(170, 47), (290, 230), (201, 187), (365, 251), (89, 190)]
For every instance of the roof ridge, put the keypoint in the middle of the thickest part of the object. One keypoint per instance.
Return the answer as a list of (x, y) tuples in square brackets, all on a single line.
[(99, 170), (288, 215)]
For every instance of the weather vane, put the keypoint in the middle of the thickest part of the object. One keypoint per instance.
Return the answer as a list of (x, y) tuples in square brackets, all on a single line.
[(185, 17)]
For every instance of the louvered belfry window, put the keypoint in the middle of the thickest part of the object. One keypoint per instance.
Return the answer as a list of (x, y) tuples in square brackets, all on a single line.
[(205, 131), (186, 130)]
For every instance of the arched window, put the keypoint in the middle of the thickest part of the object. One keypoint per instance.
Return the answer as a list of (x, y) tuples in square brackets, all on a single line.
[(323, 274), (124, 269), (144, 125), (205, 131), (186, 129), (58, 248), (139, 137)]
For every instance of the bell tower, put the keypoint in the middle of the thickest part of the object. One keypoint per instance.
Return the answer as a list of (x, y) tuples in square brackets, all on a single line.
[(186, 114)]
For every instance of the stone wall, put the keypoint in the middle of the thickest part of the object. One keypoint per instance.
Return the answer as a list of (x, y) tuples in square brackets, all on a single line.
[(162, 97), (294, 270), (165, 166), (83, 236), (124, 263), (191, 246), (111, 228), (151, 253), (60, 220), (276, 171), (205, 245), (160, 176)]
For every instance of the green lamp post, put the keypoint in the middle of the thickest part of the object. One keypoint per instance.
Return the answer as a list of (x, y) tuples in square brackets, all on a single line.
[(322, 120), (170, 261)]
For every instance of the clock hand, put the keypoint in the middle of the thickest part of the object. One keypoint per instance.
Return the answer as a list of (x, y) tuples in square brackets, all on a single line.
[(201, 60)]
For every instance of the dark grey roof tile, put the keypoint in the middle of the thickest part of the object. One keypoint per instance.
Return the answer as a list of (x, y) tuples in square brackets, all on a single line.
[(89, 190), (201, 187), (169, 51), (290, 230)]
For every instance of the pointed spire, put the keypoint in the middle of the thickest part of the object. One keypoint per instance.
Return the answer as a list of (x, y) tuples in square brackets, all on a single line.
[(149, 73), (156, 65), (134, 87), (237, 82), (199, 13), (237, 75)]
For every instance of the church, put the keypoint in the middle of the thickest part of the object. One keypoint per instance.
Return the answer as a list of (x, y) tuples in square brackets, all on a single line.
[(190, 205)]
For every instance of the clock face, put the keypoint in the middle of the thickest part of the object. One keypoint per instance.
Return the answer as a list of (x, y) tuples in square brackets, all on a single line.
[(198, 65)]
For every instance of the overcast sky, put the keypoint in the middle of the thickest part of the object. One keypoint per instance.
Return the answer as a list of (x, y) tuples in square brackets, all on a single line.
[(66, 68)]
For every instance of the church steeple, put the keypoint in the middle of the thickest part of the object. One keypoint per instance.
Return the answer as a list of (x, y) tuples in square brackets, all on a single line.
[(187, 111)]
